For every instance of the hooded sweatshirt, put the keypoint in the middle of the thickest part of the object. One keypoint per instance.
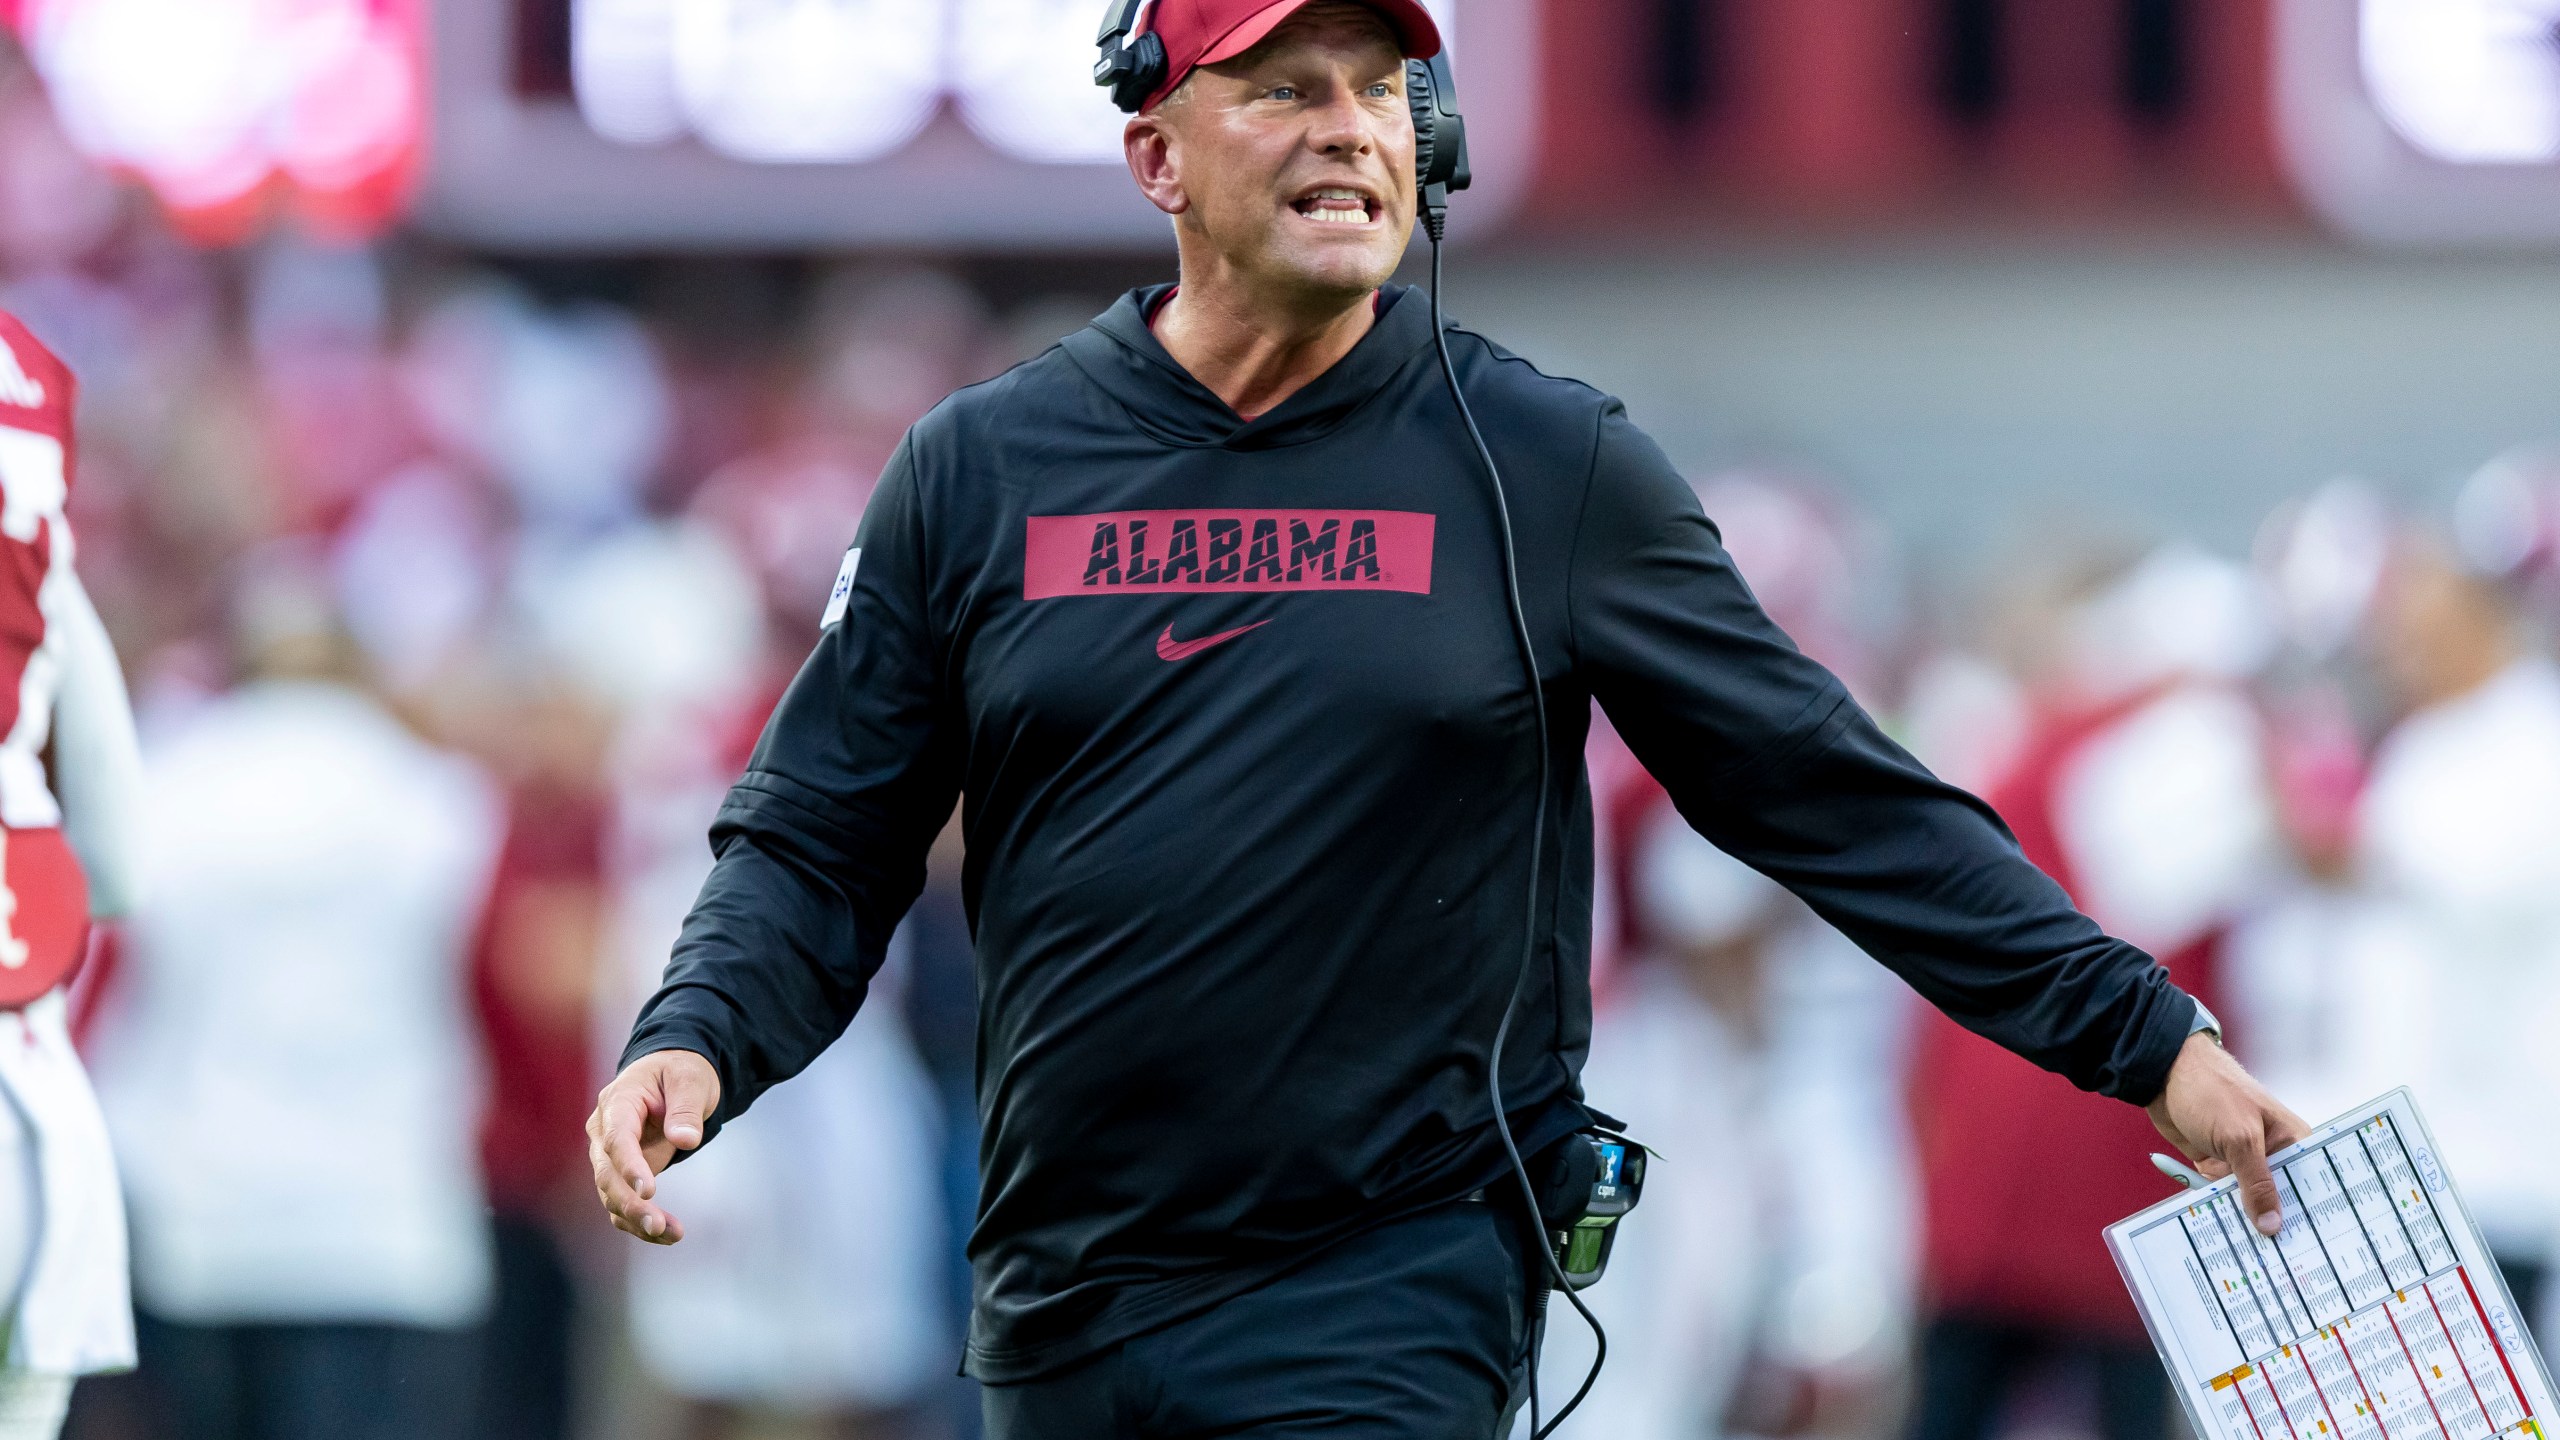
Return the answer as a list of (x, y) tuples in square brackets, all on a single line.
[(1247, 758)]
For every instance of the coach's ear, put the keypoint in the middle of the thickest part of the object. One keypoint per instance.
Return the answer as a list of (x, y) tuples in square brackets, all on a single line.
[(1154, 149)]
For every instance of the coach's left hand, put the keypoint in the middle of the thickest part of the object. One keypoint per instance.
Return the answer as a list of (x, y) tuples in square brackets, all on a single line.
[(2223, 1120)]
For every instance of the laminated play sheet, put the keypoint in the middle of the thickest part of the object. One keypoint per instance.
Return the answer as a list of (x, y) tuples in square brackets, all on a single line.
[(2374, 1315)]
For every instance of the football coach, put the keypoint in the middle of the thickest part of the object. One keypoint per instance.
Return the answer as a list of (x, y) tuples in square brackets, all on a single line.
[(1203, 615)]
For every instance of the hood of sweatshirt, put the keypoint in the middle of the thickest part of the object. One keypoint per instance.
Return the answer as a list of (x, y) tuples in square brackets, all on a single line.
[(1122, 355)]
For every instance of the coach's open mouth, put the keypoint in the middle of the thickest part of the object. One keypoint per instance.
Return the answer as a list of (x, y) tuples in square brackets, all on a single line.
[(1337, 205)]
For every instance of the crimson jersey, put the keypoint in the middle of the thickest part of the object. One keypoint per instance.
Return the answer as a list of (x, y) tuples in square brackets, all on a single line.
[(43, 902), (2033, 1253)]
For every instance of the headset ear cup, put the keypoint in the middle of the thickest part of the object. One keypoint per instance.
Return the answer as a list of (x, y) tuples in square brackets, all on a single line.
[(1418, 91), (1439, 131)]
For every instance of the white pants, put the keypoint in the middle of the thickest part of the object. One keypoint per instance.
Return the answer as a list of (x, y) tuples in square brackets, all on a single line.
[(31, 1404)]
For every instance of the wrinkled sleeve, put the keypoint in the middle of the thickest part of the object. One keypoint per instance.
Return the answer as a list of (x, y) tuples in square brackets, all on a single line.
[(821, 846), (1766, 754)]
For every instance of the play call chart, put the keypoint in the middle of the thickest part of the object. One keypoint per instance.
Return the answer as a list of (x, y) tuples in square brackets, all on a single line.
[(2374, 1315)]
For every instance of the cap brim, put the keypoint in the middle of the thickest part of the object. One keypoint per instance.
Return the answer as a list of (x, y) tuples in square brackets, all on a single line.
[(1415, 32)]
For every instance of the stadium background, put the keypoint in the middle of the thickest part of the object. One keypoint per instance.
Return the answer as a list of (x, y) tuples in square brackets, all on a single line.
[(536, 356)]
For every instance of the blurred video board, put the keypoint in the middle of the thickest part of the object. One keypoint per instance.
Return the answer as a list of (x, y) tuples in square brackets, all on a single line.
[(2427, 122), (234, 112), (795, 123)]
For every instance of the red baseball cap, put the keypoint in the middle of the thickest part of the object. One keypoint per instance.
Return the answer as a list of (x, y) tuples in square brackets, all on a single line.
[(1204, 32)]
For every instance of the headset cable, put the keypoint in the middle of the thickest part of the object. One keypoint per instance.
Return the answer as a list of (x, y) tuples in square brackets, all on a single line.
[(1435, 220)]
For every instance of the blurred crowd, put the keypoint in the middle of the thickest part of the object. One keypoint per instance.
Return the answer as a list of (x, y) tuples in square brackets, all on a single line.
[(2320, 781), (453, 595)]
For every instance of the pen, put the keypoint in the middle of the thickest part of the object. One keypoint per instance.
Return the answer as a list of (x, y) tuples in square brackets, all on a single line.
[(2175, 1170)]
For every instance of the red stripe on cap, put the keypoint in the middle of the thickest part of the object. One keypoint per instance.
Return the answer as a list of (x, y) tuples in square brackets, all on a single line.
[(1205, 32)]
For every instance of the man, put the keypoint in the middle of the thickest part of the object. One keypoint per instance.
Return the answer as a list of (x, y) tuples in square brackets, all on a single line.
[(316, 869), (2141, 788), (1204, 613), (70, 842), (2458, 840)]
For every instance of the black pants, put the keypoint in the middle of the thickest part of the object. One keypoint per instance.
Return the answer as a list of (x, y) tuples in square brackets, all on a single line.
[(528, 1346), (308, 1382), (1416, 1330), (1970, 1368)]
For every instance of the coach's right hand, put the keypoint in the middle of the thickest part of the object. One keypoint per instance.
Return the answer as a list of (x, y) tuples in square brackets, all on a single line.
[(653, 1109)]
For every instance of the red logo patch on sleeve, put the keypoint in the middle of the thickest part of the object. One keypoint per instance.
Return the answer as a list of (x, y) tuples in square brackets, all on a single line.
[(1152, 552)]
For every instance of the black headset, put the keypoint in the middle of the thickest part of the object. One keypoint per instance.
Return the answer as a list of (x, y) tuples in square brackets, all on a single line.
[(1134, 66), (1132, 63)]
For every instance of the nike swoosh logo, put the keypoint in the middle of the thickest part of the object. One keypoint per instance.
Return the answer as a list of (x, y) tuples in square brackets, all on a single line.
[(1168, 648)]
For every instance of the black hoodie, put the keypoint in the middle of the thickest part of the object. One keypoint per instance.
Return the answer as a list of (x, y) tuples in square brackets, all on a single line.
[(1247, 755)]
